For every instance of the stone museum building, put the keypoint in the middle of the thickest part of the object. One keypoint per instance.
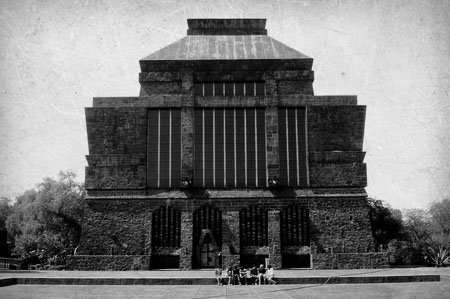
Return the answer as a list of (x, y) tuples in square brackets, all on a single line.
[(226, 157)]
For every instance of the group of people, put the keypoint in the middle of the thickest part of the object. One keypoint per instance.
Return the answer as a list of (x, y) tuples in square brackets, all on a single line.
[(254, 276)]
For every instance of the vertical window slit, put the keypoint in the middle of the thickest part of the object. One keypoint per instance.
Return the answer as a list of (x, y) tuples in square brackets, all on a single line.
[(203, 147), (235, 154), (170, 148), (224, 152), (245, 144), (159, 147)]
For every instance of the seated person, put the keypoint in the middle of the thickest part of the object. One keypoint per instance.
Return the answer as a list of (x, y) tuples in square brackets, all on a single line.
[(269, 275), (243, 276), (218, 274), (261, 274), (236, 275), (230, 275), (254, 275)]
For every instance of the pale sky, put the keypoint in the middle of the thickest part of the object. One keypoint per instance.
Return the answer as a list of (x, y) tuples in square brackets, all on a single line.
[(55, 56)]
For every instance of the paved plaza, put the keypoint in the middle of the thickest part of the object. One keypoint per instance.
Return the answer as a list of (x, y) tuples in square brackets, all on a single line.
[(439, 289), (366, 291)]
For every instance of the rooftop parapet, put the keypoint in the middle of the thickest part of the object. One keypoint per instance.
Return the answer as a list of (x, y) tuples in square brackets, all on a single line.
[(226, 27)]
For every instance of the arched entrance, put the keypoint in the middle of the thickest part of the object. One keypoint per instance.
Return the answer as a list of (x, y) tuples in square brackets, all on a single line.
[(208, 249), (207, 237), (166, 238)]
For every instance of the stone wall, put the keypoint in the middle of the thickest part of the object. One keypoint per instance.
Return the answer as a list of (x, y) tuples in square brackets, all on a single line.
[(116, 228), (107, 262), (186, 241), (116, 177), (117, 140), (340, 225), (120, 130), (350, 260), (117, 148), (294, 87), (174, 101), (332, 175), (274, 239), (230, 239), (336, 128), (121, 202), (123, 227), (149, 88), (273, 158)]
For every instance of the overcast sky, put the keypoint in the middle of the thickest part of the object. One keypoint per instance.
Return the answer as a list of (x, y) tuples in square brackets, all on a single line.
[(394, 55)]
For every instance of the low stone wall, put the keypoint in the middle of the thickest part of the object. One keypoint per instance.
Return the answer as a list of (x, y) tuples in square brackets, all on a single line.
[(368, 260), (108, 262)]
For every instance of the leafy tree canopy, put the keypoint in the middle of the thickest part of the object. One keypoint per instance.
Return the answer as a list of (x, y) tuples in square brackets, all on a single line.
[(46, 221), (386, 223), (440, 215), (5, 211)]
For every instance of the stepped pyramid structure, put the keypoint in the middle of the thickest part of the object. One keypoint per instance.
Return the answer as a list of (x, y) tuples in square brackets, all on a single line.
[(226, 158)]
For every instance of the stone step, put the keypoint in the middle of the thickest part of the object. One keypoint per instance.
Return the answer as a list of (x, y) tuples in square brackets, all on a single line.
[(212, 281)]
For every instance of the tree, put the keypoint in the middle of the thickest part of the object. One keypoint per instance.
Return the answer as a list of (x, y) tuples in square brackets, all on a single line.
[(386, 223), (440, 216), (418, 231), (46, 221), (5, 211), (428, 232)]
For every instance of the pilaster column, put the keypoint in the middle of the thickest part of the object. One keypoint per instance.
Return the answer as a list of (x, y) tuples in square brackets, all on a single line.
[(272, 147), (187, 227), (148, 240), (148, 236), (274, 239), (230, 239), (272, 150), (187, 124)]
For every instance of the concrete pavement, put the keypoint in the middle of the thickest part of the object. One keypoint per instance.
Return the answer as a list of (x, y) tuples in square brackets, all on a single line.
[(206, 277)]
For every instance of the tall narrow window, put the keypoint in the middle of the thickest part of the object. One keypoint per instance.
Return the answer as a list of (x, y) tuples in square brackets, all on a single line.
[(229, 89), (253, 222), (164, 148), (292, 147), (294, 221), (166, 227), (230, 148)]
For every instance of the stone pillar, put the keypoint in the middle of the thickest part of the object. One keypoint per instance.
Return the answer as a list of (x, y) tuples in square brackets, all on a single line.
[(231, 244), (148, 239), (272, 150), (187, 125), (273, 159), (274, 239), (187, 227)]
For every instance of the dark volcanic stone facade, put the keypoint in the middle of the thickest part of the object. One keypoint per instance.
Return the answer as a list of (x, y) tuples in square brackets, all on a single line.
[(226, 158)]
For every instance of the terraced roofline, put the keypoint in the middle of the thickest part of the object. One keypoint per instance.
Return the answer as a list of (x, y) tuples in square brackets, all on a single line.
[(226, 27), (226, 39)]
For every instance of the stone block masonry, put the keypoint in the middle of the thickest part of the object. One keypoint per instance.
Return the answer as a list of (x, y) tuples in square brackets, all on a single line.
[(350, 260), (108, 262), (243, 162), (274, 239)]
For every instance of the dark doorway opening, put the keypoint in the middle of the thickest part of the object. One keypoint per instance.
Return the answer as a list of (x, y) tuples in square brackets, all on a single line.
[(208, 253), (164, 262), (296, 261), (207, 235), (248, 260)]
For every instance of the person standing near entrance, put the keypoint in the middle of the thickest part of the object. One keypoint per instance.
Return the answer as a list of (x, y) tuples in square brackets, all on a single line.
[(261, 274), (269, 275)]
